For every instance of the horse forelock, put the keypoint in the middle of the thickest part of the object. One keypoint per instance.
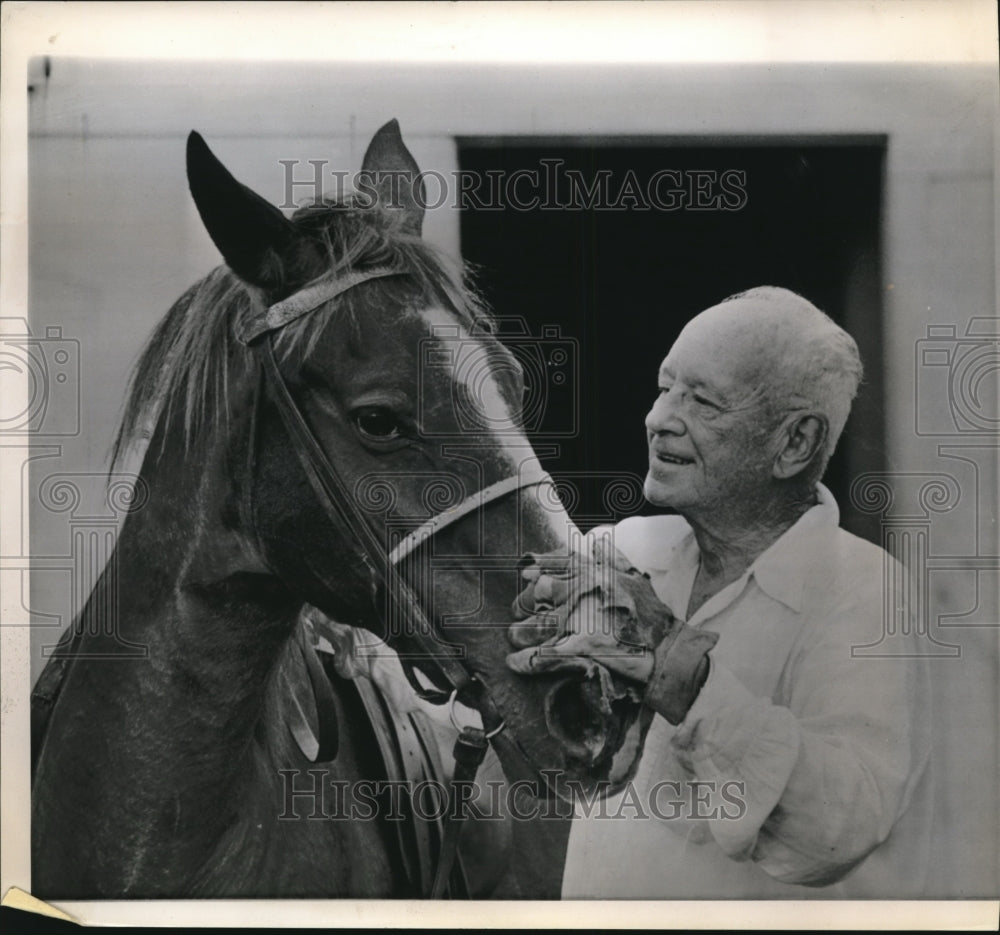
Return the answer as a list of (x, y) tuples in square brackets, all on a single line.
[(189, 366)]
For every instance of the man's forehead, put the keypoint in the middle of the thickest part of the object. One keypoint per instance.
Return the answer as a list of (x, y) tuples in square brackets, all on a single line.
[(727, 345), (723, 354)]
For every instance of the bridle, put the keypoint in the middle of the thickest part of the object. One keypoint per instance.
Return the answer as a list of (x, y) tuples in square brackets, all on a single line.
[(256, 332)]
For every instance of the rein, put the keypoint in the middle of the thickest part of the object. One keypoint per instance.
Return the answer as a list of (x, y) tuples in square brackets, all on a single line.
[(335, 499)]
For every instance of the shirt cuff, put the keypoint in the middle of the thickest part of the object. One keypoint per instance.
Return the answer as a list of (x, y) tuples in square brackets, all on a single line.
[(680, 664)]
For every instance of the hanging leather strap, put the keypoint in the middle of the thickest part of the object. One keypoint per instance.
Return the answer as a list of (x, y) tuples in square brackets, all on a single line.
[(469, 752), (327, 722)]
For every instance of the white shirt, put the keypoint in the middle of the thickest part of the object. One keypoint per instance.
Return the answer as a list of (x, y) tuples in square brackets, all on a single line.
[(800, 770)]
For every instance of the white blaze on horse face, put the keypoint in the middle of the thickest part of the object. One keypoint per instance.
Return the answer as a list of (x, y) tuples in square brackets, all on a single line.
[(471, 368), (474, 370)]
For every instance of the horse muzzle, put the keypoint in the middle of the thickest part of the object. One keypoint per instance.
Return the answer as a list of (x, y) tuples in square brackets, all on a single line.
[(600, 724)]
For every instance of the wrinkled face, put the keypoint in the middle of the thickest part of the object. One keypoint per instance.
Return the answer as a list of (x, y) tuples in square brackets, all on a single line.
[(709, 430)]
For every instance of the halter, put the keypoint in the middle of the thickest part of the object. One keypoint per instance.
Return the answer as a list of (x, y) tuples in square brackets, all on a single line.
[(334, 496)]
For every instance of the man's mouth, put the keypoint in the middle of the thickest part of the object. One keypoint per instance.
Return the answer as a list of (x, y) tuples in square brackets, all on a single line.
[(665, 458)]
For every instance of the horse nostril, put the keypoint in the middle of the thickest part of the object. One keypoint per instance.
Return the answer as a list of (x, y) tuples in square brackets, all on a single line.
[(574, 715)]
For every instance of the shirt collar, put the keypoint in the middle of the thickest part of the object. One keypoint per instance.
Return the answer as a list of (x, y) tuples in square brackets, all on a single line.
[(780, 571)]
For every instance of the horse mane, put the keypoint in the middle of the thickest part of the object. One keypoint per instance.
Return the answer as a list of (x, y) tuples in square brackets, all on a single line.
[(189, 365)]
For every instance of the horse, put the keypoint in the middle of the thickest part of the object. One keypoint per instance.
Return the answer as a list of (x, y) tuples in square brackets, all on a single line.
[(331, 422)]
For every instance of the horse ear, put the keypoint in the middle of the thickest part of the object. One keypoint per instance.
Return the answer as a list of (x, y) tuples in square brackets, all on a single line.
[(390, 173), (251, 234)]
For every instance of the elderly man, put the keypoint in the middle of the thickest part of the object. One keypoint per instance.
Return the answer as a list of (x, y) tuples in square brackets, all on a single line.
[(785, 761)]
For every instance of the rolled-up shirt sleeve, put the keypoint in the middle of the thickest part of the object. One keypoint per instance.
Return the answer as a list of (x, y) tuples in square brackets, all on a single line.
[(823, 775)]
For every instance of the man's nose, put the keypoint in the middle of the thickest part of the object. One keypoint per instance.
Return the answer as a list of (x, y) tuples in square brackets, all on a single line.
[(663, 417)]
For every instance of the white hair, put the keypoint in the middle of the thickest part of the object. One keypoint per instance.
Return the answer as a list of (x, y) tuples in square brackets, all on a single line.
[(815, 362)]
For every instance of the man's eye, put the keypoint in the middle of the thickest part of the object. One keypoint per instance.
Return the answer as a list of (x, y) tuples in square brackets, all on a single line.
[(702, 401), (376, 423)]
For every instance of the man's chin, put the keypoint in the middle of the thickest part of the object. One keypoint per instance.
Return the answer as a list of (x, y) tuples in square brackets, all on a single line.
[(656, 492)]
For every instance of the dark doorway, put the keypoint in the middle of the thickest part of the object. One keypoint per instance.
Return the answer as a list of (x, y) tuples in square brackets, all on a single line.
[(616, 244)]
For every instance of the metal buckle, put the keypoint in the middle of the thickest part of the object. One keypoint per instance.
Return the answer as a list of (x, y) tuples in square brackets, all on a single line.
[(460, 727)]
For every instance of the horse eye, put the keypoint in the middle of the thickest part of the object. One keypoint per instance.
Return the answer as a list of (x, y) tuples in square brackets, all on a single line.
[(377, 423)]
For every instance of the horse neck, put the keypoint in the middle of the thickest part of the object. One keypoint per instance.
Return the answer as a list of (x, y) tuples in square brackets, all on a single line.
[(166, 735), (191, 584)]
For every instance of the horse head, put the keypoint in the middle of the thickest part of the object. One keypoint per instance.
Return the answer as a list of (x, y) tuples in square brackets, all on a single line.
[(384, 362)]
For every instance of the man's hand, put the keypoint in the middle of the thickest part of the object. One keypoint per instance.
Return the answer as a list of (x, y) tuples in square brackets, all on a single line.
[(578, 610), (578, 607)]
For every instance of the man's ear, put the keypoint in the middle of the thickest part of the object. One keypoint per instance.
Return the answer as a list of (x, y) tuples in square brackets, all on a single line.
[(803, 438)]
